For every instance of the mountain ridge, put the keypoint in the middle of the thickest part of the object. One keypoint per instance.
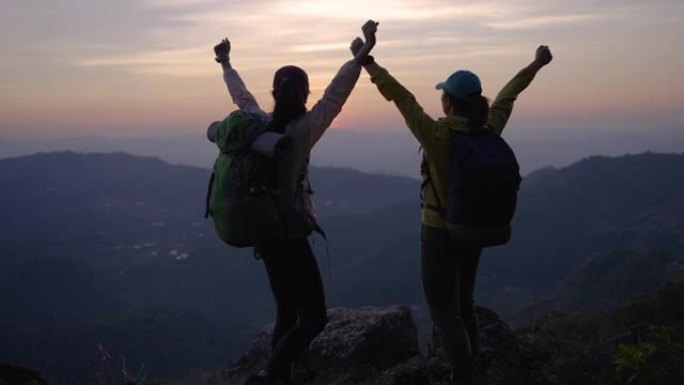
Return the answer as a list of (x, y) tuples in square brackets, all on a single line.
[(129, 238)]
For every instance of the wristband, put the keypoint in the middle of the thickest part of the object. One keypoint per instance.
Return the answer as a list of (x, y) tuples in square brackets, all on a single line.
[(222, 57)]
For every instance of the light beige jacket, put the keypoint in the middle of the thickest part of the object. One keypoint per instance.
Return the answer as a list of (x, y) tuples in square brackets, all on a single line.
[(293, 186)]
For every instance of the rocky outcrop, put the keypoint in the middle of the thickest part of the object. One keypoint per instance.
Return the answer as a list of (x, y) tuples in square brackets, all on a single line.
[(356, 347), (379, 346)]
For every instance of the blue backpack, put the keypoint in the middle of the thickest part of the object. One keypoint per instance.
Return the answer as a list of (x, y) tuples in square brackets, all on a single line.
[(482, 189)]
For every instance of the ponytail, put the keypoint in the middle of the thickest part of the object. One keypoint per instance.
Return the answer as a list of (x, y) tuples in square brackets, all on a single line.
[(478, 106), (289, 105), (475, 108), (290, 90)]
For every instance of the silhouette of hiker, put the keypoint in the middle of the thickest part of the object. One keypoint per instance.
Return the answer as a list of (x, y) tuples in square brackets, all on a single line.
[(290, 263), (449, 269)]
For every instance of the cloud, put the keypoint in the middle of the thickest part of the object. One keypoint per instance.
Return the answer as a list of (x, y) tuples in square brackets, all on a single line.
[(175, 3), (319, 47), (175, 37), (178, 56), (69, 50), (389, 10), (289, 31), (546, 21)]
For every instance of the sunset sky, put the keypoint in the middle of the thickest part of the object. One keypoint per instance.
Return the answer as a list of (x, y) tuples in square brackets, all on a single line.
[(145, 67)]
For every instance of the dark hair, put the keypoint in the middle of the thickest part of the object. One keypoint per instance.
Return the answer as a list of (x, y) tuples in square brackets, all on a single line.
[(475, 108), (290, 88)]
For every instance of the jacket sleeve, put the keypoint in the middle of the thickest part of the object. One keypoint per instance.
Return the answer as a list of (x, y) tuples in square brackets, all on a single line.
[(238, 91), (501, 109), (420, 123), (329, 106)]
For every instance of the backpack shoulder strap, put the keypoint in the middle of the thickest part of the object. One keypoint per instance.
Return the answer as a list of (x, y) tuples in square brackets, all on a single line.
[(318, 229), (427, 180), (303, 185), (207, 209)]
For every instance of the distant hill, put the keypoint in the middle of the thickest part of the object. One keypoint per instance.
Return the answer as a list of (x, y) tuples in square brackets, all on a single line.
[(568, 216), (98, 247), (608, 280), (377, 151)]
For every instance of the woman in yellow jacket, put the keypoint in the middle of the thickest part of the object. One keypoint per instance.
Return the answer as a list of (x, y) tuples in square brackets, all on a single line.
[(449, 270)]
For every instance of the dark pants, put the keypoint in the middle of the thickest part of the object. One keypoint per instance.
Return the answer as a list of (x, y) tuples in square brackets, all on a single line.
[(448, 273), (298, 291)]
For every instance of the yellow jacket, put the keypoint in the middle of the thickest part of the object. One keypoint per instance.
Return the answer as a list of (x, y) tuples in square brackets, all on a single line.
[(435, 135)]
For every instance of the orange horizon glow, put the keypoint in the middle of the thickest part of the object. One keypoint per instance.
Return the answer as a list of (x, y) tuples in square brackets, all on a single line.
[(146, 66)]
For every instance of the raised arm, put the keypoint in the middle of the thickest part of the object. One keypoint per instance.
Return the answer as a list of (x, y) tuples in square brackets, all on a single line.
[(335, 95), (236, 87), (502, 107), (421, 124)]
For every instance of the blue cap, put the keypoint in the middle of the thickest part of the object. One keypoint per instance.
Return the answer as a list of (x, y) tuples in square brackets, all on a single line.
[(461, 84)]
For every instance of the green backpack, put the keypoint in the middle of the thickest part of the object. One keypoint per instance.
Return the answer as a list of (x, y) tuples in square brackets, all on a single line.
[(239, 198)]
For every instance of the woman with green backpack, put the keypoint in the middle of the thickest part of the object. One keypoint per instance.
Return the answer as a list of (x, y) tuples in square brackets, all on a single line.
[(449, 263), (290, 263)]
